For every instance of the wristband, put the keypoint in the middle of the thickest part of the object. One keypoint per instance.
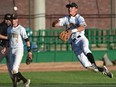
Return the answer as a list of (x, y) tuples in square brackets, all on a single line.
[(74, 30), (29, 49)]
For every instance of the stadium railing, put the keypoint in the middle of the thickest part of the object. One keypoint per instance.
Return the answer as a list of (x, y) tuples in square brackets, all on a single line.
[(47, 47), (47, 40)]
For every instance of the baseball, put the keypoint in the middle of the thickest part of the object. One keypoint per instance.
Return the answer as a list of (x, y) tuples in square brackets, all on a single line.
[(15, 8)]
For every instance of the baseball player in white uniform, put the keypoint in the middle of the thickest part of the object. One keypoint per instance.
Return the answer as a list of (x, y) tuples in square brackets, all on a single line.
[(16, 35), (80, 44)]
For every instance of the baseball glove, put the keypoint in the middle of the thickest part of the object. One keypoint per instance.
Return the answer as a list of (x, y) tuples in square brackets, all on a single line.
[(29, 59), (65, 35)]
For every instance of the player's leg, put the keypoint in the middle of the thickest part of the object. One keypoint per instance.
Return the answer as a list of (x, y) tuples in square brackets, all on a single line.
[(25, 81), (15, 61), (8, 63), (15, 80), (82, 59), (10, 72), (8, 66), (18, 59), (103, 69), (81, 56), (22, 77), (87, 52), (90, 57)]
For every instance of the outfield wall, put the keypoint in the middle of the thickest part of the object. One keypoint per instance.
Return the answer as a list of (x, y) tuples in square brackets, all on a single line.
[(69, 56), (66, 56)]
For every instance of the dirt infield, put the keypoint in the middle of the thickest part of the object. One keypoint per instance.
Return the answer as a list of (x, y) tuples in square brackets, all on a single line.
[(53, 66)]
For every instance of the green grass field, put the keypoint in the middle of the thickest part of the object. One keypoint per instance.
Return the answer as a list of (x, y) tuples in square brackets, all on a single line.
[(63, 79)]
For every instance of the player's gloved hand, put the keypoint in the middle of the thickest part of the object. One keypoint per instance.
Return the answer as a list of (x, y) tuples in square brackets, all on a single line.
[(29, 58), (65, 35)]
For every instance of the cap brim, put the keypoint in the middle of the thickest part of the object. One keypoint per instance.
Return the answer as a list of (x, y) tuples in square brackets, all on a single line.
[(14, 18)]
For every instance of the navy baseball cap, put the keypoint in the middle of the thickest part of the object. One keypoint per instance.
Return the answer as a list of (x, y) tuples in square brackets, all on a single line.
[(72, 5), (14, 16), (7, 16)]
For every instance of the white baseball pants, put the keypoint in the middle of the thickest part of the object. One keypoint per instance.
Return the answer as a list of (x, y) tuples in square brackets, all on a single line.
[(81, 47), (16, 56)]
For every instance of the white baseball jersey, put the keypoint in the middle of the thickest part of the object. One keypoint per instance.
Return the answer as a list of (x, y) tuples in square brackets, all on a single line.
[(78, 41), (73, 22), (16, 36)]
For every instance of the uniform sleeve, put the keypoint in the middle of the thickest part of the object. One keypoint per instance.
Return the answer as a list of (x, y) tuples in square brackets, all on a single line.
[(82, 21), (23, 33), (62, 21)]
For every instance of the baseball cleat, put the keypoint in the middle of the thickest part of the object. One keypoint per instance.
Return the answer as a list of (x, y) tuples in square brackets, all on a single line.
[(107, 72), (27, 83)]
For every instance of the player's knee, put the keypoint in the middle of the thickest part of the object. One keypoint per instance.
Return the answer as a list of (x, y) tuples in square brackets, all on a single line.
[(87, 51), (14, 71)]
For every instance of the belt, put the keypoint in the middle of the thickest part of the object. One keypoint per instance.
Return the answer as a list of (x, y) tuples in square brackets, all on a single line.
[(76, 38)]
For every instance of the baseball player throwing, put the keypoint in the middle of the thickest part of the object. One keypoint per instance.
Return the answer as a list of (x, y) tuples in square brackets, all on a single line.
[(16, 35), (75, 24)]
